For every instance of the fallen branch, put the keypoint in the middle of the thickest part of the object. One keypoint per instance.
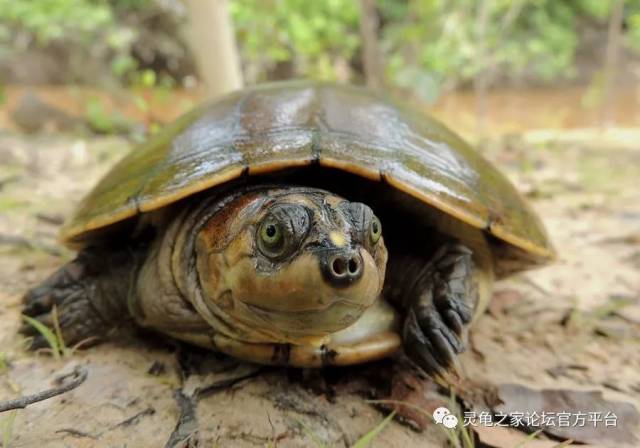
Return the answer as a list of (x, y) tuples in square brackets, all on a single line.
[(78, 376)]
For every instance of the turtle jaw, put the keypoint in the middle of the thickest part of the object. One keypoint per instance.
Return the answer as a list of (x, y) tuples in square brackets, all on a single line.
[(302, 300)]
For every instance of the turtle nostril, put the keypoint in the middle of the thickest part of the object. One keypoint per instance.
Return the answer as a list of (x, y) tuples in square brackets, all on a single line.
[(342, 268), (354, 266), (339, 266)]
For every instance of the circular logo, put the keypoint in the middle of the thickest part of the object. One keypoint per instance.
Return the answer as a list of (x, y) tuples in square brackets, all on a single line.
[(450, 421), (440, 413)]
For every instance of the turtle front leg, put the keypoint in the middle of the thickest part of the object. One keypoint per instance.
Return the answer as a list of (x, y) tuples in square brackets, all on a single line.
[(89, 294), (439, 298)]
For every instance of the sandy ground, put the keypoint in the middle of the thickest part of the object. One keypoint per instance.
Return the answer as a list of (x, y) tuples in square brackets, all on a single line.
[(573, 325)]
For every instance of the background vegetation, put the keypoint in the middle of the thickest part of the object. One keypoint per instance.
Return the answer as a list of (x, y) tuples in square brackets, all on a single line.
[(425, 45)]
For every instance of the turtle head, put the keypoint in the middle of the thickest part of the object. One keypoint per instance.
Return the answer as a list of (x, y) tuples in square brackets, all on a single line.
[(290, 264)]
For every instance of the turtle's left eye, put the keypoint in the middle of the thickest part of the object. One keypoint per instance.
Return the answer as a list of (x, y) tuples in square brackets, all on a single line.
[(375, 230), (271, 239), (282, 230)]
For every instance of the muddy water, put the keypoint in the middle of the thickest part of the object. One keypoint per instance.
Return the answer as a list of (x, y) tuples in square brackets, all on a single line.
[(506, 111)]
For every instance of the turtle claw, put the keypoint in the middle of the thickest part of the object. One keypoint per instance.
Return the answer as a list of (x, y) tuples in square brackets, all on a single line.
[(77, 320), (418, 347), (430, 342), (66, 292), (455, 322), (55, 290), (435, 330)]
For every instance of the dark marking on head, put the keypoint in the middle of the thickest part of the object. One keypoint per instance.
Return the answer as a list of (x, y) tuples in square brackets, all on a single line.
[(225, 300), (360, 216)]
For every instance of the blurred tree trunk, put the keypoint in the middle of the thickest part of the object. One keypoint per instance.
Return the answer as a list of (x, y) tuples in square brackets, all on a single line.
[(213, 45), (369, 35), (481, 79), (610, 63)]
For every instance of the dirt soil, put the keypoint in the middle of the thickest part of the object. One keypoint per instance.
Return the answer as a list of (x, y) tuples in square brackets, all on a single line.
[(572, 325)]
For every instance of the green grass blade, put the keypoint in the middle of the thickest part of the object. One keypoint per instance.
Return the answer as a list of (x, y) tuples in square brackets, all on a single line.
[(529, 438), (46, 333), (403, 403), (56, 325), (567, 442), (309, 432), (366, 439), (464, 432), (7, 428), (3, 362), (452, 436)]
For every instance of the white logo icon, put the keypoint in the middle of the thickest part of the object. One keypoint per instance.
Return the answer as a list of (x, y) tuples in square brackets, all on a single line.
[(445, 417), (450, 421)]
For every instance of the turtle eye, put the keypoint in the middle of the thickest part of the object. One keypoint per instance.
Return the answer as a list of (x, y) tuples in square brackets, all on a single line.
[(375, 230), (271, 237)]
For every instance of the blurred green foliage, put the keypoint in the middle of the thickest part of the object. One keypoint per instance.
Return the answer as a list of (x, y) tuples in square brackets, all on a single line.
[(633, 25), (54, 19), (314, 36), (455, 40), (90, 30), (426, 45), (75, 23)]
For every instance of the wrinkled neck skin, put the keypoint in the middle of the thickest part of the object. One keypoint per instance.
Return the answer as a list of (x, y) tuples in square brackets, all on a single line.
[(218, 265)]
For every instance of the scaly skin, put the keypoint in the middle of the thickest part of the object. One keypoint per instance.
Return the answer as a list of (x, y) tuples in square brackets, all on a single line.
[(90, 295), (439, 302)]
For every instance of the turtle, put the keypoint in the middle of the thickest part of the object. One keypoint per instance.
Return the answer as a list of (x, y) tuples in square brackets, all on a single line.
[(253, 226)]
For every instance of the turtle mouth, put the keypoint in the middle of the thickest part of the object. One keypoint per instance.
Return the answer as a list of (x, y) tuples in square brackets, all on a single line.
[(316, 322), (261, 310)]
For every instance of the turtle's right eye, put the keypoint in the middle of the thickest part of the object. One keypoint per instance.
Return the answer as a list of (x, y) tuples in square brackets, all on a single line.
[(375, 231), (271, 238)]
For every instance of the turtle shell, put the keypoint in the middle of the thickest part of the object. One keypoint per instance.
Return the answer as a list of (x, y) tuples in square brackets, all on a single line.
[(280, 126)]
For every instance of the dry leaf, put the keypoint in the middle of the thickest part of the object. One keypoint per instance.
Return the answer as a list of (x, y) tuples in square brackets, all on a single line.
[(618, 426)]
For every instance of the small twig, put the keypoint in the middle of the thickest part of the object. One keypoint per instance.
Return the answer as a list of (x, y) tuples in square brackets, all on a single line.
[(79, 375), (76, 433), (55, 220), (134, 419)]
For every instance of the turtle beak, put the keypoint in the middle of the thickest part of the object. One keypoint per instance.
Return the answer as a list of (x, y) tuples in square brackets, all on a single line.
[(341, 267)]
